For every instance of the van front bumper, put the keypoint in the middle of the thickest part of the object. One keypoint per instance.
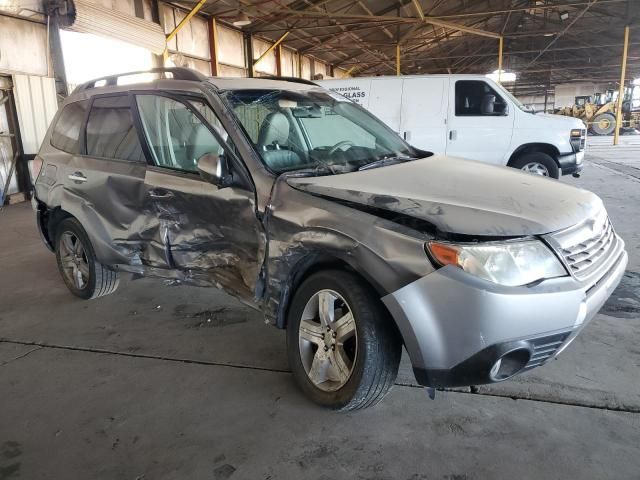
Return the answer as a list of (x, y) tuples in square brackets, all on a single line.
[(570, 163), (456, 327)]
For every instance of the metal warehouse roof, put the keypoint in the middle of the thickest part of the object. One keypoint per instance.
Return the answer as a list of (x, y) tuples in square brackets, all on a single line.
[(546, 42)]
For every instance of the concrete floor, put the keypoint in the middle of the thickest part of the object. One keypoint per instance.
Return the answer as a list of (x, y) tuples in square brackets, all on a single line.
[(166, 382)]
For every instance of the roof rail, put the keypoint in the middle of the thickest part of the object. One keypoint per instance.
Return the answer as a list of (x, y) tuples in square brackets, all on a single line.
[(289, 79), (178, 73)]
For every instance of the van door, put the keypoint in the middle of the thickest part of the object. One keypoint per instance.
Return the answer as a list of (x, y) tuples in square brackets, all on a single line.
[(384, 101), (424, 113), (480, 122), (357, 90)]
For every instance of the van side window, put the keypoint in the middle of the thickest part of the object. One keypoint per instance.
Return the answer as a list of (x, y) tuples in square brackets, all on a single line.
[(176, 135), (110, 130), (66, 133), (477, 98)]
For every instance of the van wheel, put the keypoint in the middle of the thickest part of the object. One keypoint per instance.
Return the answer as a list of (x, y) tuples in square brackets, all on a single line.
[(84, 276), (343, 348), (538, 163)]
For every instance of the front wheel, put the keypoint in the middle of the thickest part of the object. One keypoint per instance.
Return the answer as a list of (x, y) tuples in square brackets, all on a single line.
[(343, 348), (538, 163)]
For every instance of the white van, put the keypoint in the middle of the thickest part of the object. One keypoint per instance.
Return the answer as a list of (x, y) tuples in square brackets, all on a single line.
[(470, 116)]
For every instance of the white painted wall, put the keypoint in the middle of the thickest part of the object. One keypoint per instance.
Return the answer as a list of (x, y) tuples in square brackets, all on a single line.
[(23, 47)]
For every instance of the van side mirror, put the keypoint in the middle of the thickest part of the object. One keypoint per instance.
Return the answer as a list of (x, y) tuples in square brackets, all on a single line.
[(215, 169)]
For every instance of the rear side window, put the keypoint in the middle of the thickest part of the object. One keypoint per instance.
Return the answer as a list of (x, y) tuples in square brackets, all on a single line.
[(66, 133), (110, 130), (477, 98)]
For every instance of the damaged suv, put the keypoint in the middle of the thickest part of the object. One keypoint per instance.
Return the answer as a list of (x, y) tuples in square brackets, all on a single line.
[(303, 205)]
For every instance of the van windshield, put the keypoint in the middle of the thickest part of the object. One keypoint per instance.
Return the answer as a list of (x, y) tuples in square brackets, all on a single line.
[(314, 129), (511, 97)]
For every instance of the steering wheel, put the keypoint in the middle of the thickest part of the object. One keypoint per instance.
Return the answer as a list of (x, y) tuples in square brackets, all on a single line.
[(338, 145)]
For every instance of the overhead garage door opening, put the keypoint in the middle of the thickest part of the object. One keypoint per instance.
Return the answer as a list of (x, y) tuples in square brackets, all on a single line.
[(88, 56)]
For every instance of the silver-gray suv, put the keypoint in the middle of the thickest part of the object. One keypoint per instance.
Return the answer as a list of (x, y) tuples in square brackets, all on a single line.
[(306, 207)]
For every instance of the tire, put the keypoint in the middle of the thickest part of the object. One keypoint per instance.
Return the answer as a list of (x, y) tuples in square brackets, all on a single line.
[(83, 275), (374, 346), (537, 163), (604, 124)]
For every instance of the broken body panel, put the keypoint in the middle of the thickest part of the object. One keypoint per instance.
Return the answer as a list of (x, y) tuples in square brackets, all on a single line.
[(258, 237)]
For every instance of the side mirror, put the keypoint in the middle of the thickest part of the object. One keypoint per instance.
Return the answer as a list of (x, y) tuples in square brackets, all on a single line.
[(214, 168)]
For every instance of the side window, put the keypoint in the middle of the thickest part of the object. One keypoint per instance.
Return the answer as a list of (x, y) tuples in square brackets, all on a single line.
[(66, 132), (176, 135), (110, 130), (477, 98)]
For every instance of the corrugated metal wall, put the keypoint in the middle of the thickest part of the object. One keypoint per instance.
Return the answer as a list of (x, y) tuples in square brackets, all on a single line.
[(36, 104)]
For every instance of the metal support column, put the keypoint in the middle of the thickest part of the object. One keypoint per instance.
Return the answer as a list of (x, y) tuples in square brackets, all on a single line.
[(55, 51), (213, 47), (398, 59), (248, 42), (279, 61), (500, 48), (625, 52)]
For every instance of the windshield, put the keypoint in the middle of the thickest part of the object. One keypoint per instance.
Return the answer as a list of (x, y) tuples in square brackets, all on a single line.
[(515, 101), (314, 129)]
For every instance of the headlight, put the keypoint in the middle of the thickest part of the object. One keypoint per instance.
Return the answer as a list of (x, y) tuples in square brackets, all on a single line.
[(576, 132), (505, 263)]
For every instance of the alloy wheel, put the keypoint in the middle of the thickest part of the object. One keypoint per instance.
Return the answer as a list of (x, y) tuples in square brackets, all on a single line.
[(73, 258), (328, 340)]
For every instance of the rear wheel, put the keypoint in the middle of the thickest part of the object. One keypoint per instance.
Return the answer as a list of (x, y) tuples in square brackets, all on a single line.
[(343, 349), (84, 276), (538, 163), (604, 124)]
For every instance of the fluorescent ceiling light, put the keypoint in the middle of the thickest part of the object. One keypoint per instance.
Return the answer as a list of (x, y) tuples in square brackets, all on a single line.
[(507, 77), (564, 15)]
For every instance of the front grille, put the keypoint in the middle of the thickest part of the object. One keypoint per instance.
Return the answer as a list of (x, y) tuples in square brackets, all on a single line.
[(583, 257), (588, 248), (544, 348)]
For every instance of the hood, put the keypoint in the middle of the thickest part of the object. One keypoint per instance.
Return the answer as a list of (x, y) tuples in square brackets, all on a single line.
[(462, 196), (560, 120)]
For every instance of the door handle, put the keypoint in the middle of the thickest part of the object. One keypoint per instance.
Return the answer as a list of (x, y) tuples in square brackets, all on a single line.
[(77, 177), (160, 193), (452, 135)]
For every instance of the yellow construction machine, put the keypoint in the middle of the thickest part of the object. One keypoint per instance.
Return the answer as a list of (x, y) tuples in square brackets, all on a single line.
[(599, 112)]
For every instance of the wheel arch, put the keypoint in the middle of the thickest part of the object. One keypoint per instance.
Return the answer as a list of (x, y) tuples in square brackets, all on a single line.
[(523, 149), (307, 266), (48, 221)]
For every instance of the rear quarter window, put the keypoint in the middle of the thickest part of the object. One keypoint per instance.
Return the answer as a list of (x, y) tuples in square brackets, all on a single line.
[(111, 132), (66, 132)]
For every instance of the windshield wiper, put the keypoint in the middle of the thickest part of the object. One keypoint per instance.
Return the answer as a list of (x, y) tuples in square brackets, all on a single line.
[(381, 162)]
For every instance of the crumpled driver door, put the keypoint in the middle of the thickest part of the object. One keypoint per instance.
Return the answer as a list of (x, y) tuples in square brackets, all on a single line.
[(209, 235)]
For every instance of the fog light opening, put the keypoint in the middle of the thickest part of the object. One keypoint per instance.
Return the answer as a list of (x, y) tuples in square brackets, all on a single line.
[(509, 364)]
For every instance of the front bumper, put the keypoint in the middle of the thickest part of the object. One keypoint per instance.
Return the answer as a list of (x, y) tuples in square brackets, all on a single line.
[(571, 162), (456, 326)]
